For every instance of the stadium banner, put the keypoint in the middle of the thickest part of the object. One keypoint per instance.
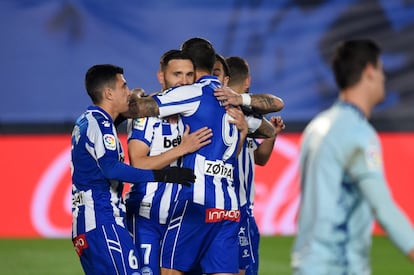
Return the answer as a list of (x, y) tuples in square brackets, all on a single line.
[(288, 45), (37, 184)]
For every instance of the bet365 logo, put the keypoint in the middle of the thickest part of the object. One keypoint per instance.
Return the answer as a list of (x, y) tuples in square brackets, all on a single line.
[(172, 142)]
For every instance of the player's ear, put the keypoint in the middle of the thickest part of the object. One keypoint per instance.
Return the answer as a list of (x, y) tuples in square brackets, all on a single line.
[(107, 92), (247, 82), (369, 71), (160, 77)]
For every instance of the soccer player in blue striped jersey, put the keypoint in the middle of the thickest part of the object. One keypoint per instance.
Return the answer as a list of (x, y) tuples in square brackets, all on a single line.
[(99, 233), (154, 143), (204, 224), (343, 186), (252, 153)]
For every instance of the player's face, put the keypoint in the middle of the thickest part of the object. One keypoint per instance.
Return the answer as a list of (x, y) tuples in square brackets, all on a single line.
[(121, 93), (380, 82), (178, 72), (218, 71)]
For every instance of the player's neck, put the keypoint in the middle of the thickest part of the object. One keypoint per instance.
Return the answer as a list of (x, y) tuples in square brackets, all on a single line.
[(199, 74)]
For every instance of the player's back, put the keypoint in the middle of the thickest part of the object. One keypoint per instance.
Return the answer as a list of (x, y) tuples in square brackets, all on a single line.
[(214, 163)]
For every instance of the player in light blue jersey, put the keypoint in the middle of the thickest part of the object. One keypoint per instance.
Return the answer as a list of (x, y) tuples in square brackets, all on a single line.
[(252, 153), (342, 180), (99, 234), (154, 143)]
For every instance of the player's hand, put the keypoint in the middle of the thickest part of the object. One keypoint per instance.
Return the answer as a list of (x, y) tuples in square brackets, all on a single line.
[(184, 176), (228, 97), (277, 123)]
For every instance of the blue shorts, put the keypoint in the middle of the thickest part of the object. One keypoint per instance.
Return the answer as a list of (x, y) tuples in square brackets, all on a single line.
[(249, 238), (108, 249), (195, 240), (147, 235)]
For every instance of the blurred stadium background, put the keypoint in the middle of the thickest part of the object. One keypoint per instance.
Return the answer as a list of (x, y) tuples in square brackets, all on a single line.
[(48, 45)]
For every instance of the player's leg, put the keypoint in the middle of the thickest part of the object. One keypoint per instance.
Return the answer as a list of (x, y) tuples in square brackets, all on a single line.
[(108, 249), (254, 240), (147, 237), (186, 238), (222, 254)]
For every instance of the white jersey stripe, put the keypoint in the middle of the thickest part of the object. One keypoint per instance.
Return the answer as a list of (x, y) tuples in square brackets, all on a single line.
[(199, 184)]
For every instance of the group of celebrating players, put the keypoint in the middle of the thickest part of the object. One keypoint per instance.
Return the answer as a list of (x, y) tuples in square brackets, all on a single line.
[(193, 148), (197, 138)]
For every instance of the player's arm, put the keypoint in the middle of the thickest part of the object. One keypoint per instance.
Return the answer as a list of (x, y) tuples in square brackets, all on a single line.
[(367, 169), (259, 127), (392, 219), (114, 169), (138, 150), (260, 103), (265, 148)]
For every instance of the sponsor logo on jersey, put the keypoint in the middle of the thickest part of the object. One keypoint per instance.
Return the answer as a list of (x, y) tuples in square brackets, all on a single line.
[(246, 253), (218, 169), (110, 142), (77, 199), (80, 244), (171, 142), (106, 123), (218, 215)]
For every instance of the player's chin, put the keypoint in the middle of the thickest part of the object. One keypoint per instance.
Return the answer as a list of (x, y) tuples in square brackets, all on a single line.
[(125, 108)]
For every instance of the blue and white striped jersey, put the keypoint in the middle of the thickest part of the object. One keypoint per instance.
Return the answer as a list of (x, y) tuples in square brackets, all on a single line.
[(342, 187), (245, 170), (213, 164), (98, 172), (152, 200)]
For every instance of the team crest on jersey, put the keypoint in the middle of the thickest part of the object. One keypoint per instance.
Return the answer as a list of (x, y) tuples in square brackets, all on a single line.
[(139, 123), (373, 157), (109, 141)]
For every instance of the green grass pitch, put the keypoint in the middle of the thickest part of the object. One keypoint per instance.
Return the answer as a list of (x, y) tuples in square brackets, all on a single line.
[(57, 257)]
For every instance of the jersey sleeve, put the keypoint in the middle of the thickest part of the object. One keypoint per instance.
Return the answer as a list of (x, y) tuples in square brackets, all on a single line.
[(367, 168), (107, 149), (141, 129), (183, 100), (253, 123)]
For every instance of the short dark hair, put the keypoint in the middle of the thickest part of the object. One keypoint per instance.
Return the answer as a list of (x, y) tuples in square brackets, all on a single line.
[(239, 69), (171, 55), (99, 75), (223, 62), (201, 52), (350, 59)]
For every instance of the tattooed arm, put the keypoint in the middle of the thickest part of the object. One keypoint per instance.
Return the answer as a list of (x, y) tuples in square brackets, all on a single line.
[(265, 103), (259, 103)]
